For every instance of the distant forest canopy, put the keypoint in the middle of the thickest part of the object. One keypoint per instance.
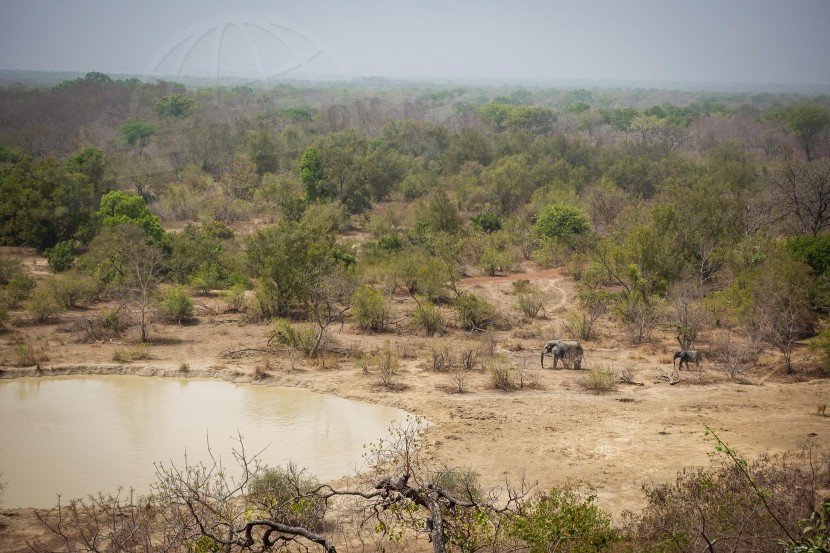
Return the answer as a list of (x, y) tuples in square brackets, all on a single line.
[(634, 190)]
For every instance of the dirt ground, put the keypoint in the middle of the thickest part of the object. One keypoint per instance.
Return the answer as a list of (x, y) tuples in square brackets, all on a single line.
[(550, 431)]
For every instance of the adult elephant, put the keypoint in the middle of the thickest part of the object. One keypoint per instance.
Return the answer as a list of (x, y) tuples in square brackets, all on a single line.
[(564, 350), (686, 356)]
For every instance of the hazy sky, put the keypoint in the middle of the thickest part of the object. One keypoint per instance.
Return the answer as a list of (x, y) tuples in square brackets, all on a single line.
[(736, 41)]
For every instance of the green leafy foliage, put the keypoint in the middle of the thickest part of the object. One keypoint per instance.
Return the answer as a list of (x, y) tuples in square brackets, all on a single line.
[(118, 208), (137, 133), (42, 305), (564, 519), (176, 304), (290, 260), (61, 256), (488, 222), (43, 202), (428, 318), (474, 313), (301, 337), (284, 493), (370, 308), (174, 106), (563, 222)]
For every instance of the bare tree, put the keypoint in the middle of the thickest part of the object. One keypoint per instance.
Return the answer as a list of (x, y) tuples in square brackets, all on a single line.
[(686, 313), (204, 508), (782, 313), (801, 190)]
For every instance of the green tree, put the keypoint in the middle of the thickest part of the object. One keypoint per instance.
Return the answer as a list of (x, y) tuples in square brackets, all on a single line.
[(43, 202), (174, 106), (508, 183), (137, 133), (289, 259), (807, 121), (782, 313), (61, 256), (335, 168), (262, 148), (118, 208), (468, 145), (123, 257), (438, 213), (563, 222)]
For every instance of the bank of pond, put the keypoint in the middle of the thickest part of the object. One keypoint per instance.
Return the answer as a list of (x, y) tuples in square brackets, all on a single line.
[(78, 435)]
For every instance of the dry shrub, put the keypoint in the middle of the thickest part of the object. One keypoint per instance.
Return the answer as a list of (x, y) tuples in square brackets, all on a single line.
[(527, 377), (501, 371), (27, 355), (526, 333), (385, 364), (728, 508), (429, 319), (138, 352), (467, 358), (599, 381), (458, 375), (441, 356), (488, 344)]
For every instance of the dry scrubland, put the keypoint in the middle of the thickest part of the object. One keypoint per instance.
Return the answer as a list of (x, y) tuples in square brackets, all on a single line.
[(549, 428)]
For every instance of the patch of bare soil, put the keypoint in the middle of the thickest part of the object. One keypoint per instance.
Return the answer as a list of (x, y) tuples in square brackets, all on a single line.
[(551, 431)]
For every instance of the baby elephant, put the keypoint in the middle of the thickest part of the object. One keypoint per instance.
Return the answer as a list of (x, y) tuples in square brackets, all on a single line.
[(685, 356), (563, 349)]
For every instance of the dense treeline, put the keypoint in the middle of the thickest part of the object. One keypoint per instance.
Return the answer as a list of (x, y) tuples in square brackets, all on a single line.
[(695, 212), (705, 200)]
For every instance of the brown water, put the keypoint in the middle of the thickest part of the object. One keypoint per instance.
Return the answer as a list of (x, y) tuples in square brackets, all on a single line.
[(78, 435)]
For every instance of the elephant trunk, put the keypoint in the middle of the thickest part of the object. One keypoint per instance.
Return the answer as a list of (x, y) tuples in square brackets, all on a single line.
[(542, 359)]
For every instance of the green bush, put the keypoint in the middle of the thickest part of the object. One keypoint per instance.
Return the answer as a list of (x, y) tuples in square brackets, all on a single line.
[(429, 318), (42, 305), (494, 261), (488, 222), (599, 381), (298, 336), (177, 305), (564, 520), (68, 290), (208, 276), (473, 312), (18, 288), (61, 256), (821, 347), (285, 494), (370, 308), (234, 297), (562, 222)]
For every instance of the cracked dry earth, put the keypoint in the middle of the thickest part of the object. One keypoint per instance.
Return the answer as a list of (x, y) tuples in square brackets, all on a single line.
[(549, 433)]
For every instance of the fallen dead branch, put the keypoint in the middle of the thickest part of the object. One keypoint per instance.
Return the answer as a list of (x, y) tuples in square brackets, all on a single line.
[(672, 377), (627, 378)]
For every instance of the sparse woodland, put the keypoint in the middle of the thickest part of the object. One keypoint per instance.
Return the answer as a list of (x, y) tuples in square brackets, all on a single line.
[(693, 218)]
